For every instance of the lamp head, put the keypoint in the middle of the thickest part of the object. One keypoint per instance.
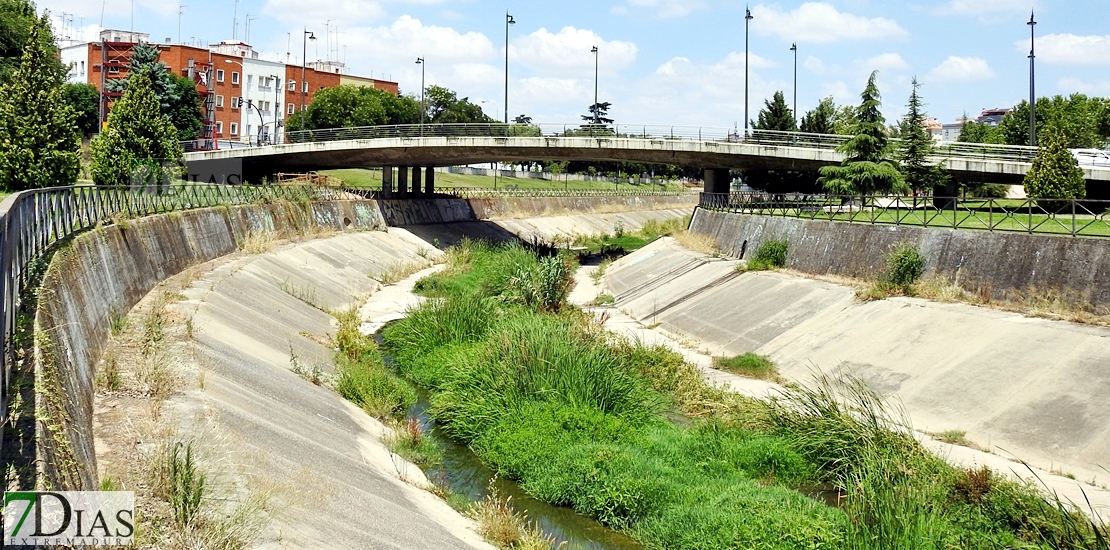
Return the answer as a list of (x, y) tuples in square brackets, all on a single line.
[(593, 49), (509, 19), (1031, 21), (419, 60), (311, 35), (748, 14), (794, 47)]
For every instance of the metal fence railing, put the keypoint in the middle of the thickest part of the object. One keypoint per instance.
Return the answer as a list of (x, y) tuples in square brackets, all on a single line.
[(1011, 153), (1064, 217), (32, 221)]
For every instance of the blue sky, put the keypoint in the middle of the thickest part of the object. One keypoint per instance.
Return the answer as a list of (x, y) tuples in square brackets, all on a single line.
[(665, 62)]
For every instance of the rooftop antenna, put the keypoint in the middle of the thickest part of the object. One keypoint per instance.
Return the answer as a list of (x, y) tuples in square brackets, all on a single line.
[(180, 12), (234, 21), (103, 3)]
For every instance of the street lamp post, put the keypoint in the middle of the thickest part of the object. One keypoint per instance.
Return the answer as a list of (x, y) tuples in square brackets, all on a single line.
[(794, 48), (304, 67), (508, 21), (747, 21), (423, 105), (596, 110), (1032, 89)]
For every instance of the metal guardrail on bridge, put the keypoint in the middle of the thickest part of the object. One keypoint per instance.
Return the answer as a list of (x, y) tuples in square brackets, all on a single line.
[(1063, 217), (31, 222), (979, 151)]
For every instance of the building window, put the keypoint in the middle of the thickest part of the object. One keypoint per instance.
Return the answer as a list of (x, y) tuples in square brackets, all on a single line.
[(305, 87), (219, 128), (82, 68), (234, 128), (219, 101), (292, 85), (292, 109), (250, 81), (219, 75), (235, 102), (235, 77)]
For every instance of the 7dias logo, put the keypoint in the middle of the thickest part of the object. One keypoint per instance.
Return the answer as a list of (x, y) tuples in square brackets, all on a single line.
[(73, 518)]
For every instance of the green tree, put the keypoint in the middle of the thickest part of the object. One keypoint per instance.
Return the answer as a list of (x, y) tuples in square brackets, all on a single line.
[(775, 115), (979, 132), (38, 137), (177, 95), (17, 18), (1077, 118), (598, 113), (138, 135), (1055, 174), (916, 146), (867, 167), (845, 120), (820, 119), (347, 106), (445, 107), (85, 100)]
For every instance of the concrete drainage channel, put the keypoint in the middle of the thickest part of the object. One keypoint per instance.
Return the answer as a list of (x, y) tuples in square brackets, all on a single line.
[(243, 339)]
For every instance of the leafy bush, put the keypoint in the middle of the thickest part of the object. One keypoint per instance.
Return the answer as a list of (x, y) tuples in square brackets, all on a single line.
[(904, 265), (771, 255)]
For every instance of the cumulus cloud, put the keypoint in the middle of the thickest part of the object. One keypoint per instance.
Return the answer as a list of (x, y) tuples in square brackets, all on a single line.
[(1071, 85), (408, 38), (961, 69), (820, 22), (983, 7), (1070, 49), (663, 9), (569, 51), (885, 62)]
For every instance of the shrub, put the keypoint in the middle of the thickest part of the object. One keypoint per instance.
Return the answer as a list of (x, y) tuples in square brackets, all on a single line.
[(771, 255), (904, 265), (1055, 174), (751, 365)]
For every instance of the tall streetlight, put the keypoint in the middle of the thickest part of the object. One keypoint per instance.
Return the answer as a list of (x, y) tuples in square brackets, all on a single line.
[(747, 21), (508, 21), (304, 67), (596, 110), (423, 105), (794, 48), (1032, 90)]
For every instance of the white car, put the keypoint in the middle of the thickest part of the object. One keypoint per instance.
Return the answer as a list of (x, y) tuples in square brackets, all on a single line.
[(1092, 157)]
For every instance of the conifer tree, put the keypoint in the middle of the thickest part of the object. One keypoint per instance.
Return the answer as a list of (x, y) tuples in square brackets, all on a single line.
[(867, 167), (176, 95), (38, 135), (775, 115), (820, 119), (916, 147), (138, 136), (1055, 174)]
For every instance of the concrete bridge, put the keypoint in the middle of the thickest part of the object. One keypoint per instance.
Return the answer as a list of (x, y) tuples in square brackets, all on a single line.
[(411, 148)]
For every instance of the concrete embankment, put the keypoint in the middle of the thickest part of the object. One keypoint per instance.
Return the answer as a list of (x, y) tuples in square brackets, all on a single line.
[(251, 319), (979, 261), (1022, 387)]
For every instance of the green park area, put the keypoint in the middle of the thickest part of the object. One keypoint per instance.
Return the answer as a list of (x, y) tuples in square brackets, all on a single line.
[(372, 179)]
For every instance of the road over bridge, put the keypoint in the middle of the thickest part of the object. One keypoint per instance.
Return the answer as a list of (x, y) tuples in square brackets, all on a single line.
[(715, 149)]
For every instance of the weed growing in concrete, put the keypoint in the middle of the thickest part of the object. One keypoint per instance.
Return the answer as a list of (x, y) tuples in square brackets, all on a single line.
[(954, 437), (770, 255), (185, 483), (118, 322), (411, 443), (751, 365), (506, 528), (599, 273), (618, 229), (305, 293), (309, 373), (604, 300), (109, 377), (904, 265), (361, 374), (257, 242)]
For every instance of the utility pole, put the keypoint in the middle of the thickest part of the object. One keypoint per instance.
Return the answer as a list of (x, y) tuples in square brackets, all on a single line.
[(747, 20), (1032, 83), (596, 110), (423, 105), (508, 21)]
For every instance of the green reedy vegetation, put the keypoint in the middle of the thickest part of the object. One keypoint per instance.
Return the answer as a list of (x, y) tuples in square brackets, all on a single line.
[(581, 418), (770, 255), (622, 240), (749, 364), (362, 376)]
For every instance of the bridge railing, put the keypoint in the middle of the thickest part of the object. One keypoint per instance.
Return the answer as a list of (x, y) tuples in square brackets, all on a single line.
[(1065, 217), (31, 222), (1011, 153)]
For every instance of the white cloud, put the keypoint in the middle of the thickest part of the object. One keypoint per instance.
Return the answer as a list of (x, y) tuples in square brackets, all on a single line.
[(1071, 85), (407, 38), (984, 7), (885, 62), (1070, 49), (820, 22), (858, 67), (961, 69), (664, 9), (540, 89), (569, 51)]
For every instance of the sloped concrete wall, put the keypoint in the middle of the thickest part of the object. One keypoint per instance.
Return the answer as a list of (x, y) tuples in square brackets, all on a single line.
[(104, 273), (402, 212), (1000, 263)]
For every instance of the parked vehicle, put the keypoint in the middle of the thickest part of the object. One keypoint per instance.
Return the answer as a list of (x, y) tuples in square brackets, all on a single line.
[(1092, 157)]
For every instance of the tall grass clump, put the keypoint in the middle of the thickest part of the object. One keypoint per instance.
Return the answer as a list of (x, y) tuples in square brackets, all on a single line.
[(362, 376), (770, 255), (185, 482), (904, 266), (545, 286)]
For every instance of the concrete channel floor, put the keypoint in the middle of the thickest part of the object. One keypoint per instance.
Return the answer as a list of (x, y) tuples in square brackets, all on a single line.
[(1026, 389), (261, 428)]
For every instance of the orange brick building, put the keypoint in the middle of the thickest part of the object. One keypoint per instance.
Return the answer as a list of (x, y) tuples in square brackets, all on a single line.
[(222, 73)]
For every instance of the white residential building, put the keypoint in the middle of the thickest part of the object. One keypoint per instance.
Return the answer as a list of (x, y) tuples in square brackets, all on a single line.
[(261, 84)]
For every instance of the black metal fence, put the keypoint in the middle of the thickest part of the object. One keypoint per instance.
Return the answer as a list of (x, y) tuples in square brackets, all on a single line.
[(1063, 217), (32, 221)]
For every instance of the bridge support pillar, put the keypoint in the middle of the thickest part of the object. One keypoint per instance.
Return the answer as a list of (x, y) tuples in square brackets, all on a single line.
[(416, 181), (430, 181), (387, 181), (718, 180), (403, 181)]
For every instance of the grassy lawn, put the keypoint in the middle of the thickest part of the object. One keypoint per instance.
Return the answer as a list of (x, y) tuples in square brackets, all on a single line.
[(357, 177)]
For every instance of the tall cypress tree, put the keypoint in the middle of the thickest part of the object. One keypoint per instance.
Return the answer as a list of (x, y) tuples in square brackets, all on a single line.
[(867, 167), (916, 147), (138, 137), (38, 135), (1055, 174), (775, 115)]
